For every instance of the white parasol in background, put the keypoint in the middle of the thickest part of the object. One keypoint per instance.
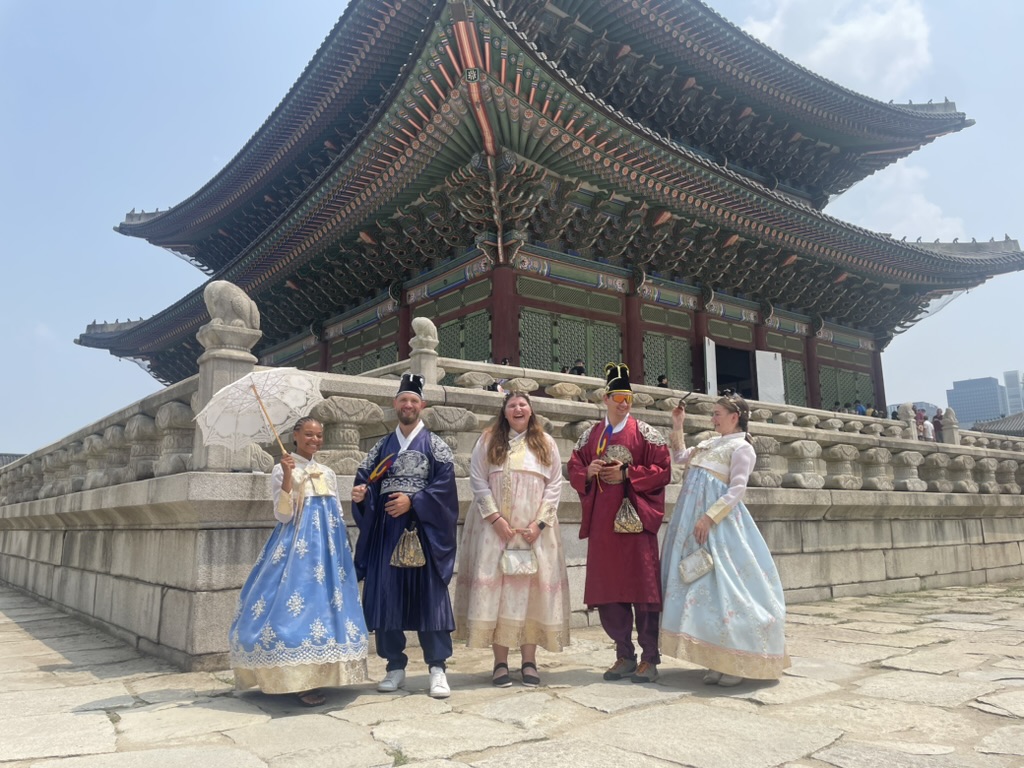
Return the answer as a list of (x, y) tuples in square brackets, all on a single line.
[(258, 407)]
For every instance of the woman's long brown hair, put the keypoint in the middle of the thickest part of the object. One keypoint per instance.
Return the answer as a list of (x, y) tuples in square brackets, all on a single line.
[(498, 432)]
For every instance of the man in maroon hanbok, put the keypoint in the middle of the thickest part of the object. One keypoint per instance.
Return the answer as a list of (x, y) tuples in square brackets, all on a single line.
[(616, 458)]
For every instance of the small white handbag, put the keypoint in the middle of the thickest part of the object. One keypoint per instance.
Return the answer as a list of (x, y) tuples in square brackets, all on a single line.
[(695, 565)]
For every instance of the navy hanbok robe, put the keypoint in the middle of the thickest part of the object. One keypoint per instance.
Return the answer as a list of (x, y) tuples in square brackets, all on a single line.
[(408, 598)]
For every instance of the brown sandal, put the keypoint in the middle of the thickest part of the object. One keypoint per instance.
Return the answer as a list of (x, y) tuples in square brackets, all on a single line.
[(311, 698)]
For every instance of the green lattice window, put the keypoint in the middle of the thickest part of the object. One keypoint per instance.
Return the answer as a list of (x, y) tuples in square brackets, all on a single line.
[(465, 338), (536, 331), (843, 386), (795, 380), (669, 355), (548, 341)]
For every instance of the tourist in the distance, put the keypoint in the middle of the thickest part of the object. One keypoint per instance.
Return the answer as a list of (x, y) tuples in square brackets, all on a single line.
[(512, 590), (937, 424), (299, 625), (731, 619)]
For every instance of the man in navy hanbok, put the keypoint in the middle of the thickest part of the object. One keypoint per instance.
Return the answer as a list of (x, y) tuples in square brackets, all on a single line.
[(407, 483)]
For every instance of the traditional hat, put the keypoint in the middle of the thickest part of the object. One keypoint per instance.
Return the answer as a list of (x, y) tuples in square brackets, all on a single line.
[(411, 382), (617, 376)]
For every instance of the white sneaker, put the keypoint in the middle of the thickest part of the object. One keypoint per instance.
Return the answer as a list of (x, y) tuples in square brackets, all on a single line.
[(439, 684), (728, 681), (392, 681)]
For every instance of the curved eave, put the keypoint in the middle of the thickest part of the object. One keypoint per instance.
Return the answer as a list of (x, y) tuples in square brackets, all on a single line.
[(748, 197), (318, 96), (689, 32), (364, 184)]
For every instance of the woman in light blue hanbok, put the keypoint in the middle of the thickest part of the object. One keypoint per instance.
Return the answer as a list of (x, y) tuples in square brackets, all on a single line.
[(300, 623), (732, 619)]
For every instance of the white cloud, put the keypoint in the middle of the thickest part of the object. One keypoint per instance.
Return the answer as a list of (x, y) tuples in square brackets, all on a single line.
[(877, 47), (896, 201)]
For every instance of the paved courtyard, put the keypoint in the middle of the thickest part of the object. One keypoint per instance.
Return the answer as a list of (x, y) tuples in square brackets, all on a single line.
[(927, 679)]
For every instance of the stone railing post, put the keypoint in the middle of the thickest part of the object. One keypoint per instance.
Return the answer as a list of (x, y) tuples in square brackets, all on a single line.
[(342, 418), (985, 475), (447, 422), (839, 470), (177, 431), (228, 338), (906, 475), (936, 472), (118, 452), (33, 480), (770, 466), (54, 466), (1006, 476), (960, 472), (423, 358), (950, 427), (76, 467), (96, 462), (804, 470), (877, 470), (563, 390), (144, 438)]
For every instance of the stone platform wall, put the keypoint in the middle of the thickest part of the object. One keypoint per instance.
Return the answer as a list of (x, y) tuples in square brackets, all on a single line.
[(160, 562), (132, 524)]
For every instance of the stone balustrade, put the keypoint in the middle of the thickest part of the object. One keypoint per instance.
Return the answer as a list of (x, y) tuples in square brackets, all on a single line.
[(126, 524)]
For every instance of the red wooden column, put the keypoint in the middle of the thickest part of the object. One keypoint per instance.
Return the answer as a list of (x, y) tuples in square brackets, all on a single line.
[(325, 355), (504, 315), (878, 382), (633, 339), (404, 329), (813, 382)]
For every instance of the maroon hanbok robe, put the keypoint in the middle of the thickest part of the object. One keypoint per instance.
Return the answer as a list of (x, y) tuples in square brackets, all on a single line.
[(622, 567)]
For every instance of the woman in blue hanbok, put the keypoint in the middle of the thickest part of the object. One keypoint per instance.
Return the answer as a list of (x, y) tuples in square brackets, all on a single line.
[(732, 619), (300, 623)]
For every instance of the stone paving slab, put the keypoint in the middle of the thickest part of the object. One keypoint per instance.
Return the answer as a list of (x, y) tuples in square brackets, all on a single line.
[(55, 735), (933, 679)]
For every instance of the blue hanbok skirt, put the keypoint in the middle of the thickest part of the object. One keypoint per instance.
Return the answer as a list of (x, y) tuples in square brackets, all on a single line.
[(732, 619), (300, 623)]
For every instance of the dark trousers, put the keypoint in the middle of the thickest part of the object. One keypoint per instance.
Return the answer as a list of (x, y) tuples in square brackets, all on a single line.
[(617, 620), (436, 645)]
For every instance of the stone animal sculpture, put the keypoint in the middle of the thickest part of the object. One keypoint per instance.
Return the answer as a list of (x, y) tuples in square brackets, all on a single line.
[(230, 305)]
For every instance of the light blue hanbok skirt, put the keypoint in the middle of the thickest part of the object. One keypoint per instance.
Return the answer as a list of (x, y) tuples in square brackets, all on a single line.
[(300, 623), (732, 619)]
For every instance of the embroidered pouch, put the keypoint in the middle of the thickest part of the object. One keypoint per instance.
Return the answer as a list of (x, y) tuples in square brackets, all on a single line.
[(695, 565), (626, 519), (409, 551), (518, 562)]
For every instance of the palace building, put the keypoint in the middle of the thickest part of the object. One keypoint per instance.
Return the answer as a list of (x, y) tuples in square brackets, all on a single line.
[(548, 180)]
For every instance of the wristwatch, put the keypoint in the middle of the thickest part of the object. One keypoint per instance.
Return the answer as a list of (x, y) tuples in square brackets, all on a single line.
[(541, 525)]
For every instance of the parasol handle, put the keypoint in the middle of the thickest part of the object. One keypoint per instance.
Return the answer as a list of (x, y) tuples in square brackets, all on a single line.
[(284, 451)]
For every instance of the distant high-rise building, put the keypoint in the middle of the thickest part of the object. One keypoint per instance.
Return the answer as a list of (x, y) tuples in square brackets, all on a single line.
[(1014, 392), (977, 400)]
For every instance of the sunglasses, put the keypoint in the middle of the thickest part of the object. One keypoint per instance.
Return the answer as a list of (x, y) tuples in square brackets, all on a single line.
[(620, 399)]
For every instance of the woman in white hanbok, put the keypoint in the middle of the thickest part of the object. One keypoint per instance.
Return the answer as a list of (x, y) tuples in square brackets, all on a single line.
[(516, 477), (300, 623), (732, 619)]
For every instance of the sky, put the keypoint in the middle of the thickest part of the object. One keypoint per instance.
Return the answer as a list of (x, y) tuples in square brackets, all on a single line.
[(110, 106)]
